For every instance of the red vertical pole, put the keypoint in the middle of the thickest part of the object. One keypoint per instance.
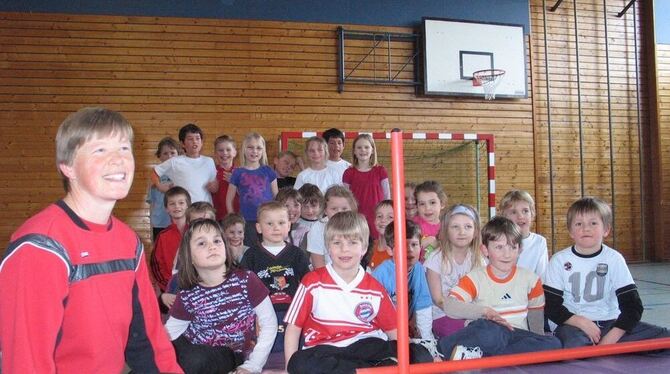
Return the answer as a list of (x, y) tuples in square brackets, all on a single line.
[(400, 250)]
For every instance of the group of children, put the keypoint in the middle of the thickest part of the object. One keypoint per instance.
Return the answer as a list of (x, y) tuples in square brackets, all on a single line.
[(473, 291), (307, 271)]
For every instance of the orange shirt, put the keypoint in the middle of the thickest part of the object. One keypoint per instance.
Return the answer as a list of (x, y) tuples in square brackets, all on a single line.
[(379, 255)]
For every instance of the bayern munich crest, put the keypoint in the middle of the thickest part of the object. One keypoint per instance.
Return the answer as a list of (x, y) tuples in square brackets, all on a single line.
[(364, 311)]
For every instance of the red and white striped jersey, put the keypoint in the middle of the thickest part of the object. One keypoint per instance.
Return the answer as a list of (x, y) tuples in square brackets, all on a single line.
[(331, 311)]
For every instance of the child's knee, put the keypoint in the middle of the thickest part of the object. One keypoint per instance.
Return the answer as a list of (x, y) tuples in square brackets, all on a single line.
[(572, 337)]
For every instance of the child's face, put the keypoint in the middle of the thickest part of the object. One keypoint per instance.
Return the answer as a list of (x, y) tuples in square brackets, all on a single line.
[(428, 206), (588, 232), (293, 207), (254, 151), (234, 235), (226, 152), (337, 204), (208, 250), (519, 212), (102, 169), (284, 166), (413, 251), (363, 151), (166, 153), (410, 203), (197, 215), (310, 211), (192, 144), (316, 155), (461, 231), (335, 148), (176, 207), (274, 226), (383, 216), (346, 253), (502, 255)]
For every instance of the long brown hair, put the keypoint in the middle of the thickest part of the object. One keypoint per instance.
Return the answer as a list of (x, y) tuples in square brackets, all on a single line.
[(187, 275)]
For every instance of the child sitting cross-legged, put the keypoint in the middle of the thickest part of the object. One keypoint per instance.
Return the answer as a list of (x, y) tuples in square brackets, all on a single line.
[(344, 314), (421, 315), (591, 294), (504, 303), (213, 321)]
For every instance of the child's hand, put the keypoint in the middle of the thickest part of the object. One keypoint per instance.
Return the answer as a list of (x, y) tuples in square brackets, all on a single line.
[(612, 336), (241, 370), (163, 187), (300, 163), (226, 176), (589, 327), (490, 314), (168, 299), (212, 186), (429, 240)]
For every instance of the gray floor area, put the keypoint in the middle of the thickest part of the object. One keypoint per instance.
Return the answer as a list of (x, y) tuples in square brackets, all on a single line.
[(653, 282)]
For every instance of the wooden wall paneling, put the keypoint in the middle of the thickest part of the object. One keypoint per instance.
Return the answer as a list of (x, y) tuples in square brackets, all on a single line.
[(565, 98), (663, 140), (233, 76)]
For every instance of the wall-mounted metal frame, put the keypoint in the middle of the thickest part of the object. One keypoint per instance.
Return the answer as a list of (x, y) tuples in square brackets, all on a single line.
[(380, 75)]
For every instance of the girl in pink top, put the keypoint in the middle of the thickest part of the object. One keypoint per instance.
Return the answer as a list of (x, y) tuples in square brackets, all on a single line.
[(430, 201), (366, 179)]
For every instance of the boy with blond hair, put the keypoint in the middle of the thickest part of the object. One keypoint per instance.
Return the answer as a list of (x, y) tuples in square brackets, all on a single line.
[(278, 264), (344, 314), (519, 206), (74, 281), (591, 294)]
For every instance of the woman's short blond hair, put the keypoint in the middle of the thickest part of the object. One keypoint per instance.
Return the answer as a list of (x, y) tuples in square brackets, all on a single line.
[(84, 125)]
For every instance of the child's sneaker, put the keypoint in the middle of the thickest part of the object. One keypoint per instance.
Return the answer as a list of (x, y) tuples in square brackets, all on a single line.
[(430, 345), (461, 352)]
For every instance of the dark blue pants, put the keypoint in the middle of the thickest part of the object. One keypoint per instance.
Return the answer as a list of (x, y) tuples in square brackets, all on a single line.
[(574, 337), (495, 339)]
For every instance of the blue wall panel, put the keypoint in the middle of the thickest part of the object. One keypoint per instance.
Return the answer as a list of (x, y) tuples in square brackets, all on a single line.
[(662, 21), (364, 12)]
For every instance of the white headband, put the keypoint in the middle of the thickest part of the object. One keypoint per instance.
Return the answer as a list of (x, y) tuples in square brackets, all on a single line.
[(462, 209)]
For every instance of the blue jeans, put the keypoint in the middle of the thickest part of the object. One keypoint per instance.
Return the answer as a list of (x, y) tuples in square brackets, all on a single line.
[(495, 339), (574, 337)]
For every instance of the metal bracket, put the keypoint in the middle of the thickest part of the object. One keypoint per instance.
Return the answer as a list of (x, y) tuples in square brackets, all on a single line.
[(553, 8), (377, 40), (625, 9)]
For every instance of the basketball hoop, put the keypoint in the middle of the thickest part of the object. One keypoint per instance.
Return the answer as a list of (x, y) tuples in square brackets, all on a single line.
[(489, 79)]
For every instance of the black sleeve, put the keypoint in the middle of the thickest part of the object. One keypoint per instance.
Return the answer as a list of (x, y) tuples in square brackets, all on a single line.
[(139, 352), (554, 308), (630, 306), (246, 260), (303, 265)]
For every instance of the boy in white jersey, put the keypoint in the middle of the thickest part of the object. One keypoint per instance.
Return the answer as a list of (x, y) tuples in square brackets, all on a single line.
[(590, 292), (503, 302), (344, 314)]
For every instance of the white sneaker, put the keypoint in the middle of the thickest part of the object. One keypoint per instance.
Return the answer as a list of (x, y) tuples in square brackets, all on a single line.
[(430, 345), (461, 352)]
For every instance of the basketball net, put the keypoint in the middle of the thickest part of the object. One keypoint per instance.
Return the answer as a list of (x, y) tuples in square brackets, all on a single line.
[(489, 79)]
